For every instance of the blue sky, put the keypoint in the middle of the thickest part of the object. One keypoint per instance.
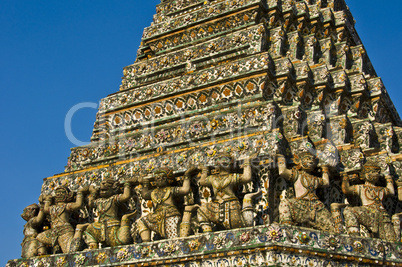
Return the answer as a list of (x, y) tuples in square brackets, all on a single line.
[(56, 54)]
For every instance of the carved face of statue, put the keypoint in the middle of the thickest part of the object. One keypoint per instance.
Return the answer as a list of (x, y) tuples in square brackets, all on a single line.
[(30, 212), (372, 175), (224, 162), (160, 180), (61, 195), (308, 162), (163, 177), (106, 188)]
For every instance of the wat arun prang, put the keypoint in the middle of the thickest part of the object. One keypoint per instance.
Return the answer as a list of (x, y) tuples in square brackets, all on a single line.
[(246, 133)]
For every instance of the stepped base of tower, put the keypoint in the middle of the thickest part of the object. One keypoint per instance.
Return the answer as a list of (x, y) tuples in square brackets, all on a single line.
[(264, 245)]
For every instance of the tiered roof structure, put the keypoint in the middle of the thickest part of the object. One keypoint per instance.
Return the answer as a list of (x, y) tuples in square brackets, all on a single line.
[(245, 76)]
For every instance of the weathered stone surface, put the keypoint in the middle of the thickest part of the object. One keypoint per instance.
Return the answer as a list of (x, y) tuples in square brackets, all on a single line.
[(244, 77)]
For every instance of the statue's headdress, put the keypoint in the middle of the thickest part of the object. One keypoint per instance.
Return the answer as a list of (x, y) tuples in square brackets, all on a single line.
[(63, 188), (297, 158), (224, 155), (168, 173), (370, 166), (67, 191), (115, 185)]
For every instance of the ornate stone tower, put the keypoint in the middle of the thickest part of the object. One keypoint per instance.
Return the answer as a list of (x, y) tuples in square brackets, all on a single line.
[(275, 79)]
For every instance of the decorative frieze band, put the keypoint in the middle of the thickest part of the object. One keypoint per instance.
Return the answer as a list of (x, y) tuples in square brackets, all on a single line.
[(273, 245), (193, 153), (208, 12), (190, 56), (237, 120)]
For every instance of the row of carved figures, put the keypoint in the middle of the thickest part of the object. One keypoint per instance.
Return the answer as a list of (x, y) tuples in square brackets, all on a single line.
[(224, 211)]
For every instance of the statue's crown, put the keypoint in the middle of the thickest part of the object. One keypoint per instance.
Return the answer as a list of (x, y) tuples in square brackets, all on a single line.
[(165, 171), (223, 154)]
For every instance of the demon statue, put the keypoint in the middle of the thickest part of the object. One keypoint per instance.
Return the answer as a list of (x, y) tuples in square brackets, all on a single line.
[(225, 209), (371, 213)]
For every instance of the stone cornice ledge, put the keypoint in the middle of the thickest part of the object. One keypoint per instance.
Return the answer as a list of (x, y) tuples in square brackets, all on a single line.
[(263, 245)]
